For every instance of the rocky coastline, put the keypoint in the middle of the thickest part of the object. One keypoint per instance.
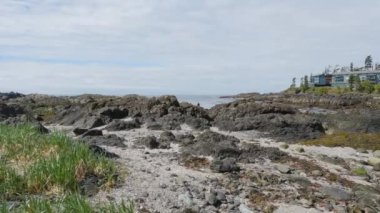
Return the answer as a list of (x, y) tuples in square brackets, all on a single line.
[(244, 156)]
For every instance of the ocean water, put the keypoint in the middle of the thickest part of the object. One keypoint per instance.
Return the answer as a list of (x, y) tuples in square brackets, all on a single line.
[(205, 101)]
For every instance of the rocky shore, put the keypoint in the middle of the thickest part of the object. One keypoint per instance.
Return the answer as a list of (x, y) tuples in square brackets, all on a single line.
[(244, 156)]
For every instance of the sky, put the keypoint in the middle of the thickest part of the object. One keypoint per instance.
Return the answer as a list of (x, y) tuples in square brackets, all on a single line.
[(200, 47)]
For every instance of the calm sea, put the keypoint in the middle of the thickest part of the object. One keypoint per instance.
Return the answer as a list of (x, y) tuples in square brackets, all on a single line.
[(205, 101)]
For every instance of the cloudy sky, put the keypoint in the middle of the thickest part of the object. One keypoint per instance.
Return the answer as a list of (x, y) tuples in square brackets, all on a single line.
[(177, 46)]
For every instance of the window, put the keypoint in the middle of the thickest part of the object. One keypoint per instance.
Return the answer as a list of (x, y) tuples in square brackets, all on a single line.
[(371, 77), (339, 78)]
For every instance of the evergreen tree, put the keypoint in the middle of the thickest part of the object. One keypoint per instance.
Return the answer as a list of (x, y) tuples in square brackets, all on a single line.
[(351, 82), (352, 67), (293, 85), (368, 62), (306, 84)]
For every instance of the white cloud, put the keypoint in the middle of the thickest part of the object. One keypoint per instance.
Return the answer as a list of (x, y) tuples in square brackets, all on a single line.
[(174, 46)]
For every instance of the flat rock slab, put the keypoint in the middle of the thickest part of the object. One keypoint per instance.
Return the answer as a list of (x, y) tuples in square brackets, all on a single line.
[(336, 193)]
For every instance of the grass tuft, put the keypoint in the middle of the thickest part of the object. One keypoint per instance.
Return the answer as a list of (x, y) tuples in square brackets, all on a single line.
[(43, 173), (34, 163)]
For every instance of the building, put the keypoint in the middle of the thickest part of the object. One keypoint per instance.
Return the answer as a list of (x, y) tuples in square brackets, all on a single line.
[(341, 79), (321, 80)]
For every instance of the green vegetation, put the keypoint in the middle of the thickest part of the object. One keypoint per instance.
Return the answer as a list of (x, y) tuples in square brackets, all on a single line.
[(360, 171), (69, 203), (38, 165), (370, 141)]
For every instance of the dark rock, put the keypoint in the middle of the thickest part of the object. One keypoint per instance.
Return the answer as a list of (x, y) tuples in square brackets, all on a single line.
[(79, 131), (186, 139), (100, 151), (93, 132), (90, 122), (154, 126), (106, 140), (150, 142), (114, 112), (225, 165), (118, 125), (251, 152), (198, 123), (167, 137), (7, 111), (214, 144), (281, 121)]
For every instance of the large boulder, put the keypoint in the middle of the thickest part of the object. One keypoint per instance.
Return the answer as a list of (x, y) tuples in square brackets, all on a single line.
[(281, 121)]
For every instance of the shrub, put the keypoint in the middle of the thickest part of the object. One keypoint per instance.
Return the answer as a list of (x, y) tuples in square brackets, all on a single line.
[(367, 87), (377, 88)]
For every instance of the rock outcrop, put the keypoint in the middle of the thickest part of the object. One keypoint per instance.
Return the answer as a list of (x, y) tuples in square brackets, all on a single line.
[(281, 121)]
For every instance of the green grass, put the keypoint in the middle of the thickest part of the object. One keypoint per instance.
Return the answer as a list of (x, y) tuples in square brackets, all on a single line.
[(44, 171), (369, 141), (360, 171), (46, 164), (69, 203)]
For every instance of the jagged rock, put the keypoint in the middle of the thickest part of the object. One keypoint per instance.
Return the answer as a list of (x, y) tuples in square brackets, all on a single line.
[(281, 121)]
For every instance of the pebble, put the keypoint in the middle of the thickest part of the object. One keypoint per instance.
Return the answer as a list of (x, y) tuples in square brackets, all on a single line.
[(317, 173), (283, 168), (145, 194), (163, 186)]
